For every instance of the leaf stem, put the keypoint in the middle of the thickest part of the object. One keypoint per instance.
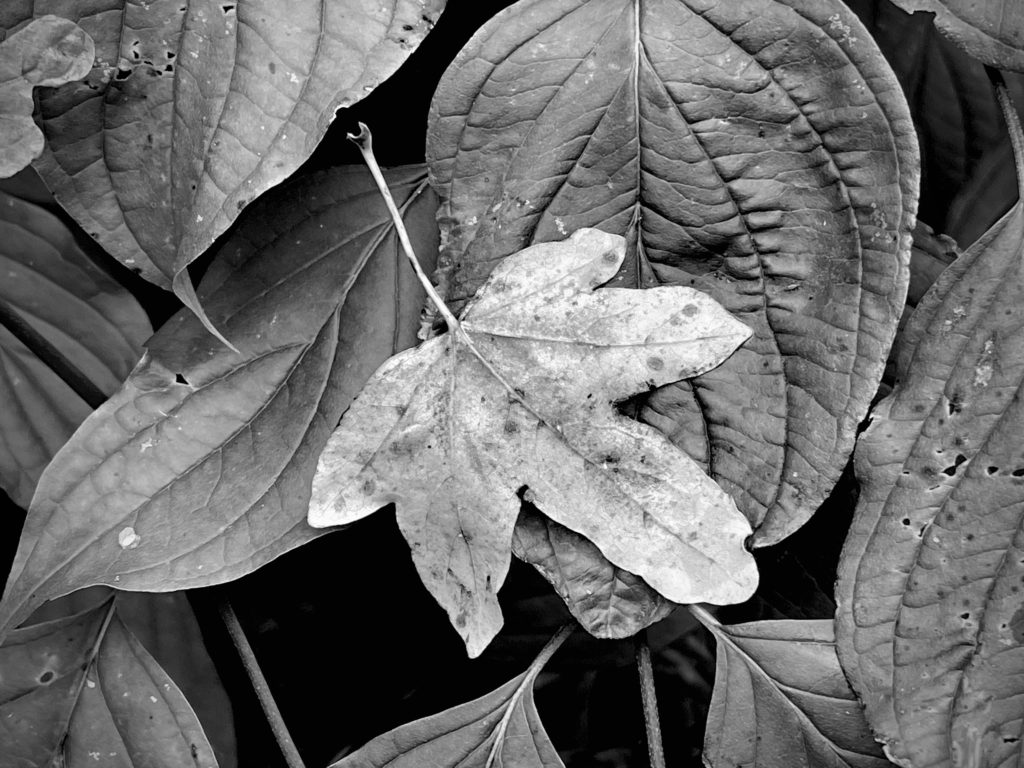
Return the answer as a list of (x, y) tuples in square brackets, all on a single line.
[(529, 677), (1012, 120), (364, 140), (259, 684), (705, 618), (648, 695), (52, 357)]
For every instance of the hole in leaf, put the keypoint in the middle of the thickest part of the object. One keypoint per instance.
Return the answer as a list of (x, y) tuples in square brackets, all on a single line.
[(991, 470), (966, 615), (951, 470), (1019, 472), (906, 521), (123, 74), (227, 8), (956, 404), (179, 379), (46, 677), (1010, 739)]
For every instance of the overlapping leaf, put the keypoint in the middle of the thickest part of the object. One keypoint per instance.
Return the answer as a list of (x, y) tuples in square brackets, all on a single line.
[(931, 576), (193, 109), (50, 51), (606, 600), (169, 631), (453, 441), (198, 469), (953, 107), (501, 728), (91, 319), (82, 691), (781, 699), (772, 165), (991, 31)]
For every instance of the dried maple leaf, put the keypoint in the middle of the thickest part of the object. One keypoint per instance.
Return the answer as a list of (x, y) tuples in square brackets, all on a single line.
[(521, 401)]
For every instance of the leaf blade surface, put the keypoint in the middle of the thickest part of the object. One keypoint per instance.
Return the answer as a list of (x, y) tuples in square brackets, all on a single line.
[(82, 688), (197, 471), (780, 698), (444, 436), (91, 319), (706, 144), (192, 110), (930, 575)]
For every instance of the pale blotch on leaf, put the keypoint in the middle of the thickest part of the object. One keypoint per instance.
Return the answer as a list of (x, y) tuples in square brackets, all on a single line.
[(453, 441), (128, 538)]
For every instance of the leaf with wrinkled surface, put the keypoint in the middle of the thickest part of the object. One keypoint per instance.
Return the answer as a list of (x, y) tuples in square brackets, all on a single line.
[(772, 165), (991, 31), (930, 581), (92, 320), (197, 470), (194, 109), (501, 728), (780, 699), (606, 600), (82, 691), (48, 52), (437, 432)]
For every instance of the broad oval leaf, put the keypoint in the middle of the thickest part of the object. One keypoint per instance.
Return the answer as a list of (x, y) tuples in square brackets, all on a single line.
[(50, 51), (92, 320), (193, 109), (780, 699), (930, 581), (197, 470), (991, 31), (772, 165), (82, 691), (454, 433), (501, 728)]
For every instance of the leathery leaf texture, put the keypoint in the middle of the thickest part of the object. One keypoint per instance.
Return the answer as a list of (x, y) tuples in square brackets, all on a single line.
[(82, 691), (193, 109), (455, 442), (781, 699), (198, 469), (48, 52), (759, 150), (930, 622)]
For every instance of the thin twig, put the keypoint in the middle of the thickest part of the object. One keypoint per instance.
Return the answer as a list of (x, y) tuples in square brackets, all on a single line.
[(259, 684), (655, 750), (364, 140), (52, 357)]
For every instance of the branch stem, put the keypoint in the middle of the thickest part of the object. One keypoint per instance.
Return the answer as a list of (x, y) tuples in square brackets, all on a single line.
[(648, 695), (1012, 120), (364, 140), (259, 684), (52, 357)]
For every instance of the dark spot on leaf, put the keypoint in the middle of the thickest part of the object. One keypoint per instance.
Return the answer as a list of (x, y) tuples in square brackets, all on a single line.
[(511, 427), (408, 27), (955, 405), (970, 537), (919, 408), (612, 459), (655, 363), (46, 677), (272, 67), (241, 204), (194, 750), (369, 487), (611, 257)]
